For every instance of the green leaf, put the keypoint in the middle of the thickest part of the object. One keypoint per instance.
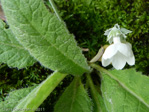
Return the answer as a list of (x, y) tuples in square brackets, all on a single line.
[(101, 102), (13, 98), (33, 100), (99, 105), (11, 51), (44, 36), (74, 99), (125, 91)]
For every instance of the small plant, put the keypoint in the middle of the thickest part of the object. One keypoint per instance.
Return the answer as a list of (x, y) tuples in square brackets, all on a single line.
[(37, 35)]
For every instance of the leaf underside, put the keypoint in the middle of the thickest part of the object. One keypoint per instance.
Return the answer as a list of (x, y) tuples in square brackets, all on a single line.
[(44, 36), (125, 91), (13, 98), (100, 100), (27, 99), (35, 98), (11, 51), (74, 99)]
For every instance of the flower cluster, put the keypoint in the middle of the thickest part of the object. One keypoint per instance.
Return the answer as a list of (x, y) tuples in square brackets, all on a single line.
[(120, 51)]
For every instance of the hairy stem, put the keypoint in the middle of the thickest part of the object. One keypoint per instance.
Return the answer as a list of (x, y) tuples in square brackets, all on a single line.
[(99, 68)]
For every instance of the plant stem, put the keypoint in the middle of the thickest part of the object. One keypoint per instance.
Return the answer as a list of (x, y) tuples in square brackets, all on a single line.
[(93, 92), (55, 10), (100, 69)]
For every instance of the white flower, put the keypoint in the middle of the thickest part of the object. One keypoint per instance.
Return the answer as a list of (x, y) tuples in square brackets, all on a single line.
[(118, 54)]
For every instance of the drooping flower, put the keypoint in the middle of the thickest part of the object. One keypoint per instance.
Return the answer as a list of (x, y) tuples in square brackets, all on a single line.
[(120, 51)]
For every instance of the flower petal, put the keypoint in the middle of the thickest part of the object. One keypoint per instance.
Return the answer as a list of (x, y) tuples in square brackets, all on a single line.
[(109, 52), (128, 44), (106, 62), (131, 60), (119, 61), (124, 49)]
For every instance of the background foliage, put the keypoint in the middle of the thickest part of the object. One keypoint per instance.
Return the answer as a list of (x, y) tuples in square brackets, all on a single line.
[(87, 20)]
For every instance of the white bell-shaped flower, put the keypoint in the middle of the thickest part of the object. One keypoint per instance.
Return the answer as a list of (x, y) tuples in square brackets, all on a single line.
[(118, 54)]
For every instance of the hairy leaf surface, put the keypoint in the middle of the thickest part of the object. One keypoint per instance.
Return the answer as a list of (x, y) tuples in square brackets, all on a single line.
[(33, 100), (101, 102), (44, 36), (11, 51), (74, 99), (13, 98), (125, 91), (97, 99)]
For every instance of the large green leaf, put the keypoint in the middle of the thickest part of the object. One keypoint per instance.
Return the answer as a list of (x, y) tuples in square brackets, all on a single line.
[(13, 98), (33, 100), (125, 91), (44, 36), (11, 51), (74, 99)]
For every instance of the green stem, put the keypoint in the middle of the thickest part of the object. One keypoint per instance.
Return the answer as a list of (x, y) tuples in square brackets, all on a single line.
[(93, 92), (55, 10), (35, 98), (101, 69)]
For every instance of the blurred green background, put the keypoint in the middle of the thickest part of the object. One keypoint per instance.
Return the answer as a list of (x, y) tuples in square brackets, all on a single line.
[(87, 20)]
